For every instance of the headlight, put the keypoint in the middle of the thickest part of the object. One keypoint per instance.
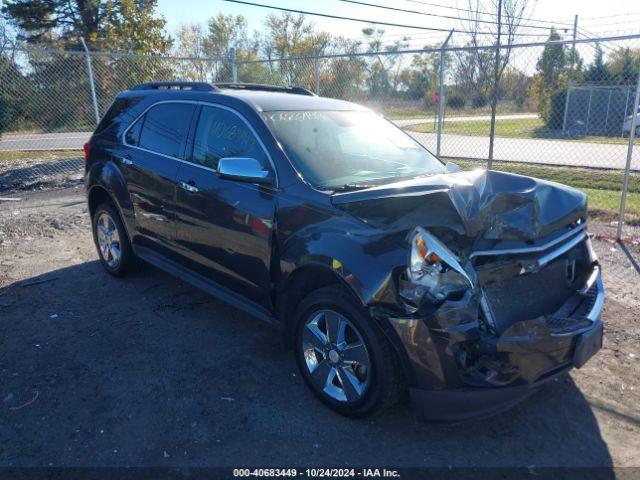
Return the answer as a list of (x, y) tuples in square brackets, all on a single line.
[(433, 269)]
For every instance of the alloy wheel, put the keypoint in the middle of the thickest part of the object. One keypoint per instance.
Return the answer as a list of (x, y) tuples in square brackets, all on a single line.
[(108, 240), (336, 356)]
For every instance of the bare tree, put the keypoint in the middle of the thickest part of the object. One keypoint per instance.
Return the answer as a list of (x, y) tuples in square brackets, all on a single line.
[(509, 15)]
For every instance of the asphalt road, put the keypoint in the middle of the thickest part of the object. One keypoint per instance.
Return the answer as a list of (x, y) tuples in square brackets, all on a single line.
[(552, 152), (43, 141)]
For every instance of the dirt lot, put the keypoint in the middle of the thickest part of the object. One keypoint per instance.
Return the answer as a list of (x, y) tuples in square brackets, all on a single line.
[(148, 371)]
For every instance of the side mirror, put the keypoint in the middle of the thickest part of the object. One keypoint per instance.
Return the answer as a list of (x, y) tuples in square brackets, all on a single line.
[(451, 167), (243, 169)]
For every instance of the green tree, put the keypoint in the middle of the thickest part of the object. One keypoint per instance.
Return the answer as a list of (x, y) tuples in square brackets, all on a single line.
[(549, 82), (289, 35), (125, 25), (383, 70), (56, 21), (624, 65), (598, 72)]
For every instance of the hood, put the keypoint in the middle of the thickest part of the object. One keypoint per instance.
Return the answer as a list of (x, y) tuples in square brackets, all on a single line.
[(479, 204)]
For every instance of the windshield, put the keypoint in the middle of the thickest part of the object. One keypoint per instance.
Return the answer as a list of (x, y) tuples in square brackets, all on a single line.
[(343, 149)]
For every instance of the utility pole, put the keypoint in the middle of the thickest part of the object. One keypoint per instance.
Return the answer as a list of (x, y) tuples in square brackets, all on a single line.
[(496, 80), (570, 84)]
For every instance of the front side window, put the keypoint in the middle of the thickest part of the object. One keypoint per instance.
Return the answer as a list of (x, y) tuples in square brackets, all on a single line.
[(337, 149), (221, 133), (164, 128)]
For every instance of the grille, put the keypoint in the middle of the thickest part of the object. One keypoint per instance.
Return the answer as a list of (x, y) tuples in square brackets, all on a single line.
[(568, 321), (524, 297)]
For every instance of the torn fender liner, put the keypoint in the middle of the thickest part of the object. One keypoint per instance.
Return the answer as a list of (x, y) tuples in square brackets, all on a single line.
[(479, 204)]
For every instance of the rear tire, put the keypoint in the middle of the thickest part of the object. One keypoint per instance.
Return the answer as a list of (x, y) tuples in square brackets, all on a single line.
[(343, 356), (112, 242)]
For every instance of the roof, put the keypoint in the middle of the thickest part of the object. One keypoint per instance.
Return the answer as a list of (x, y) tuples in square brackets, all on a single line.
[(272, 101), (262, 98)]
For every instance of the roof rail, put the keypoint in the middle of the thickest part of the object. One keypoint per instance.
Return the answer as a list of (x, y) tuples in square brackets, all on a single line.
[(195, 86), (266, 88)]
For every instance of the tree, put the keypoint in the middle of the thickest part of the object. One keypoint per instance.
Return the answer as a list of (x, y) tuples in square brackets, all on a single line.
[(383, 69), (598, 71), (191, 44), (289, 35), (515, 86), (132, 26), (343, 77), (127, 25), (623, 66), (52, 21), (549, 81), (421, 79), (12, 81)]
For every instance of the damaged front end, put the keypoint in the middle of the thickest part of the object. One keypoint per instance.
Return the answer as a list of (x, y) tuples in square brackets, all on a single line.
[(497, 301), (502, 324)]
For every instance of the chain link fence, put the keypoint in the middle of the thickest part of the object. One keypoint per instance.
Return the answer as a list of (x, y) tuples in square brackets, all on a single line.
[(563, 110)]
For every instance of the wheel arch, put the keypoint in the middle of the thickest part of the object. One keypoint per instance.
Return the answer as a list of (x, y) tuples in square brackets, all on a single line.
[(300, 283), (98, 194)]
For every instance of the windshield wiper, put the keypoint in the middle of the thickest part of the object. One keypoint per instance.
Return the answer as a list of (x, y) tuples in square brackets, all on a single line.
[(349, 187)]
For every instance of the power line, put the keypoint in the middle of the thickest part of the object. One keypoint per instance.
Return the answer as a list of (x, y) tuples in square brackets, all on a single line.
[(588, 34), (486, 13), (612, 16), (375, 22), (434, 14), (591, 25)]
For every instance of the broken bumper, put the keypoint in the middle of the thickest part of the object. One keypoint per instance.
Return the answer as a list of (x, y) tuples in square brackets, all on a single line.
[(540, 351)]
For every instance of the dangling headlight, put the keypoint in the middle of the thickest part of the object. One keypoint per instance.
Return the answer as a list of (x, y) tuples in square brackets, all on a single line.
[(433, 269)]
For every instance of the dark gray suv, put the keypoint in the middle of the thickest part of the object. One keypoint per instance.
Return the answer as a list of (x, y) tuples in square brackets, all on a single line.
[(383, 269)]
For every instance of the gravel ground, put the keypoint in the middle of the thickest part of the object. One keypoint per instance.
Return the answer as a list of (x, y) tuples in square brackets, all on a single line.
[(28, 174), (148, 371)]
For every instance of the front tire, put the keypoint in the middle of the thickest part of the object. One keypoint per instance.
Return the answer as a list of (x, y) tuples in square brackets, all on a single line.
[(112, 242), (343, 356)]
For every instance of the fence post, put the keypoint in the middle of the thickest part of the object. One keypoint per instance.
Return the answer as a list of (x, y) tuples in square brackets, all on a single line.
[(586, 130), (234, 65), (316, 73), (566, 106), (627, 169), (496, 88), (570, 83), (91, 84), (441, 94)]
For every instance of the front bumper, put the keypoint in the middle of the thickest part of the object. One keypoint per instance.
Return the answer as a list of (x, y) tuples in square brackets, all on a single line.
[(465, 403), (537, 350)]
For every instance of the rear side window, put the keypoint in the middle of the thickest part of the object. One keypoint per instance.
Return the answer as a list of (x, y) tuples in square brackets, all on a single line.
[(164, 128), (121, 112), (221, 133), (133, 134)]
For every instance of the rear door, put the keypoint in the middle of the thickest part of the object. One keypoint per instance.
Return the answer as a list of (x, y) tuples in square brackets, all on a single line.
[(154, 148), (224, 227)]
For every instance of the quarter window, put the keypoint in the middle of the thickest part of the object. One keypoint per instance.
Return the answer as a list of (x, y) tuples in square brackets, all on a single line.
[(133, 134), (221, 133), (164, 128)]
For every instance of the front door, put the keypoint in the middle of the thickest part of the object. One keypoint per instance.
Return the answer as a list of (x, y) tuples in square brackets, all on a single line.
[(224, 227)]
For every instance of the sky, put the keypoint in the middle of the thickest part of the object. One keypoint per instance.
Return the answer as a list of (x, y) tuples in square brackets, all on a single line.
[(595, 16)]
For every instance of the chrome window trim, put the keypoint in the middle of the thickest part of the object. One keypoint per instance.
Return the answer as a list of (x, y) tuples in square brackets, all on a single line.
[(536, 249), (206, 104)]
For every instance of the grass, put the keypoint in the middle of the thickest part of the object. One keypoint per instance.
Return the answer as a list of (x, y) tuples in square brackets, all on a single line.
[(39, 154), (402, 111), (510, 128), (603, 187)]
